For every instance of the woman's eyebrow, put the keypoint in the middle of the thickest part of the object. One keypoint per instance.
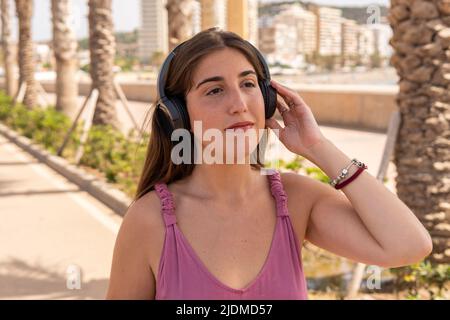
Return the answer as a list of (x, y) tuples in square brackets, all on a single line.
[(218, 78)]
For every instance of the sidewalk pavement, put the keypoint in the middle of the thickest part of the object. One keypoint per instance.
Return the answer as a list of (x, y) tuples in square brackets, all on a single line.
[(49, 224)]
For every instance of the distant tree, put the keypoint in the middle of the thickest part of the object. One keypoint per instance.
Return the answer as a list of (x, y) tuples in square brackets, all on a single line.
[(102, 52), (8, 57), (24, 10), (375, 60), (65, 50), (180, 21), (157, 58)]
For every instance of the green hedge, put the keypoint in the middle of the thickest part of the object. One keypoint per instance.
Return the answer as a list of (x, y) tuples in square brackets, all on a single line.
[(433, 278), (118, 158)]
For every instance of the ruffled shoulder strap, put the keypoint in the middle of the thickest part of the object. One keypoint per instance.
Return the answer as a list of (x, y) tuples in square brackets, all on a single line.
[(277, 190), (167, 203)]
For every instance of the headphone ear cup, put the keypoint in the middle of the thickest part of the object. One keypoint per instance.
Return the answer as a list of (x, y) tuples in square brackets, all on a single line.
[(177, 112), (164, 119), (270, 98), (181, 107)]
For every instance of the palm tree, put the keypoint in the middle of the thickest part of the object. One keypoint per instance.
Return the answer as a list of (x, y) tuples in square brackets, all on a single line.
[(102, 51), (24, 9), (65, 49), (422, 153), (179, 14), (8, 57)]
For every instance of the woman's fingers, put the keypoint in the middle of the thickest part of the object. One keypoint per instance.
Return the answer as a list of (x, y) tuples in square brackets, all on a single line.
[(273, 124), (281, 106), (284, 110)]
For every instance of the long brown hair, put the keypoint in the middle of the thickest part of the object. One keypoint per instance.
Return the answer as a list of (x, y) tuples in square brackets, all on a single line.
[(158, 166)]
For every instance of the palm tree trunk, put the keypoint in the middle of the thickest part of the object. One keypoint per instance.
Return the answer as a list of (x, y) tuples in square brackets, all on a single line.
[(102, 51), (8, 56), (179, 13), (214, 13), (421, 41), (65, 49), (24, 9)]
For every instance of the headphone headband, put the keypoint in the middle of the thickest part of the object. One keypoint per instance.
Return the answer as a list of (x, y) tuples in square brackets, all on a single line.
[(176, 106), (163, 71)]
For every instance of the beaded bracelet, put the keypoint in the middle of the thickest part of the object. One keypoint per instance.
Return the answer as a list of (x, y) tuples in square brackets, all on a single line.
[(345, 172), (353, 177)]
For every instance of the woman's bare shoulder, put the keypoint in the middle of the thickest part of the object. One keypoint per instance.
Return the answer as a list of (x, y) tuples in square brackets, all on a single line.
[(143, 221), (294, 182), (146, 209), (137, 245), (300, 191)]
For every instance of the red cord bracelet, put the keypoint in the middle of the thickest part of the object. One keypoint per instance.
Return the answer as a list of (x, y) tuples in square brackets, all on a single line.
[(353, 177)]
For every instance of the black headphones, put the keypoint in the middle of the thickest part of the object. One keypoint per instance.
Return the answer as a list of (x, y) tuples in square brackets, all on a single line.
[(176, 107)]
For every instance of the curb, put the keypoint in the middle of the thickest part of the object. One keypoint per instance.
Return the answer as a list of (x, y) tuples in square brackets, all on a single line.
[(113, 198)]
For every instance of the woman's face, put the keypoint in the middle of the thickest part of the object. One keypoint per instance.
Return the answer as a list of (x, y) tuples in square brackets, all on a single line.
[(225, 91)]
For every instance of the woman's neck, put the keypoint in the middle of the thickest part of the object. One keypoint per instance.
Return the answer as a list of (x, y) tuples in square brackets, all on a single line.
[(225, 183)]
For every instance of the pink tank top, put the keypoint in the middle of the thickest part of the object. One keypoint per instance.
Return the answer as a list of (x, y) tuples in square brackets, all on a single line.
[(183, 276)]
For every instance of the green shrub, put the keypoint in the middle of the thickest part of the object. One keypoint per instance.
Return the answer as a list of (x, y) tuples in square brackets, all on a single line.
[(424, 275), (51, 128), (46, 126), (5, 106), (119, 157), (99, 147), (318, 174), (295, 164)]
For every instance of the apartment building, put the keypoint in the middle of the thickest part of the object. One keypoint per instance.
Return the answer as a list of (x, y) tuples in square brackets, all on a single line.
[(288, 36), (366, 42), (153, 33), (328, 30), (350, 32)]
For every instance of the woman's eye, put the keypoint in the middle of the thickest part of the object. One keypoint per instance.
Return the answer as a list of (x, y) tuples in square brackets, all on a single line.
[(213, 92)]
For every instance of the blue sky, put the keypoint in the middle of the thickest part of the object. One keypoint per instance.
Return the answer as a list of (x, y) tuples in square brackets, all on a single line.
[(127, 16)]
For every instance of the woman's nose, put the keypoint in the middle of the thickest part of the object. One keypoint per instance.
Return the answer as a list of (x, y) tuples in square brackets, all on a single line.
[(237, 103)]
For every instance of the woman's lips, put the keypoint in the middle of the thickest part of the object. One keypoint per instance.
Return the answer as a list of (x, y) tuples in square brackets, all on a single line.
[(244, 128)]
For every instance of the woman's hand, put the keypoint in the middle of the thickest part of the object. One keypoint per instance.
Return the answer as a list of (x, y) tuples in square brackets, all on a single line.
[(301, 131)]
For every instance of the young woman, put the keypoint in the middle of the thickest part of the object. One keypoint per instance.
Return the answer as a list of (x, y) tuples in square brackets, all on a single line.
[(227, 231)]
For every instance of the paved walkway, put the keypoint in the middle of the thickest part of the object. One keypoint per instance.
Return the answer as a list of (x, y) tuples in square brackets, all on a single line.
[(48, 224)]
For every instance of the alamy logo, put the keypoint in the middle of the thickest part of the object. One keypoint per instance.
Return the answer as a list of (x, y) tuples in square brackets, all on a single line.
[(73, 277), (213, 146), (374, 12), (374, 279)]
